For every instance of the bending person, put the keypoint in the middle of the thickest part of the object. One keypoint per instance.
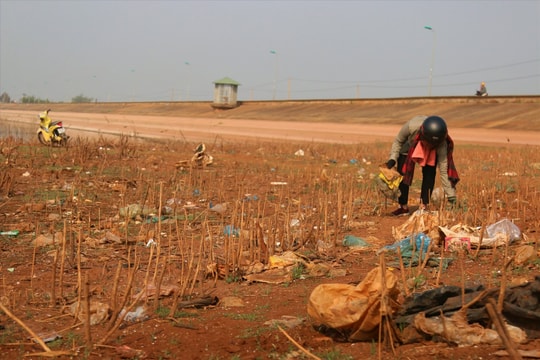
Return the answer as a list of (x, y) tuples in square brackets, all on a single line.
[(423, 140)]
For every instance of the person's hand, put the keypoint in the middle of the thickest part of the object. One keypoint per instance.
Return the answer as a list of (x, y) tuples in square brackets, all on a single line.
[(391, 163)]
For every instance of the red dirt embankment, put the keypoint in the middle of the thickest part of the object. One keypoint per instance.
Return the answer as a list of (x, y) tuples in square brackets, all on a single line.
[(494, 119)]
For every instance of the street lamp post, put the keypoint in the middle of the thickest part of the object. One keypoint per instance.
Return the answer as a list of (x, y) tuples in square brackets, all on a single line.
[(275, 73), (188, 79), (432, 56)]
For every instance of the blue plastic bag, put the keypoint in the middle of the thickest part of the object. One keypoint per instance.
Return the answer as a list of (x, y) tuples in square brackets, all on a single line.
[(421, 243)]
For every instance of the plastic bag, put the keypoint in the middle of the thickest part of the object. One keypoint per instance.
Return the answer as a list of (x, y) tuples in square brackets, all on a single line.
[(388, 182), (421, 243), (355, 311), (505, 227)]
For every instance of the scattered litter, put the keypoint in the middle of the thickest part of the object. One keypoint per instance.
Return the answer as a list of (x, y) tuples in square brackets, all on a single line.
[(201, 158), (151, 291), (173, 201), (48, 239), (288, 258), (249, 197), (506, 228), (457, 330), (151, 242), (278, 183), (388, 182), (452, 242), (420, 221), (138, 315), (271, 276), (219, 208), (497, 234), (48, 337), (189, 206), (421, 243), (230, 230), (509, 173), (352, 241), (441, 311), (99, 312), (524, 254), (54, 217), (299, 152), (133, 210), (349, 310), (10, 233), (109, 237)]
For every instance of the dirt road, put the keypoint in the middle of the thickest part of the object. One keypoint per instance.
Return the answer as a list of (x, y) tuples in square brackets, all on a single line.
[(229, 130)]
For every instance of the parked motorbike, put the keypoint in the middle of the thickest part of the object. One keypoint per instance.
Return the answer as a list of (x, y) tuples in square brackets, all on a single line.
[(51, 133)]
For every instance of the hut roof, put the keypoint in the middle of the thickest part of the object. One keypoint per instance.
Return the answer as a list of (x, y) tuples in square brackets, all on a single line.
[(226, 81)]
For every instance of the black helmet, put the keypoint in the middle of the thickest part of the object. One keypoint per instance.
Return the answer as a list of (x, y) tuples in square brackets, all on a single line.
[(433, 130)]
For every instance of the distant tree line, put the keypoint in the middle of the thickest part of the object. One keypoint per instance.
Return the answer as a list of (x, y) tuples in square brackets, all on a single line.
[(30, 99), (4, 98)]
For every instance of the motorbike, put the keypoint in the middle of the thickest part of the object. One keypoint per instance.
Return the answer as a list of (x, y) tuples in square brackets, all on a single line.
[(51, 133)]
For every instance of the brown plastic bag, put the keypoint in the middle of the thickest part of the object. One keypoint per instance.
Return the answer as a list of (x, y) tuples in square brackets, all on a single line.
[(353, 310)]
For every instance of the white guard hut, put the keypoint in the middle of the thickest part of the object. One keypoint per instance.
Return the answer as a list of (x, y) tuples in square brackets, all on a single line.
[(225, 93)]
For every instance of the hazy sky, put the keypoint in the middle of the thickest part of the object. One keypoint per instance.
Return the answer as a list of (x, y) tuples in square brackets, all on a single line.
[(175, 50)]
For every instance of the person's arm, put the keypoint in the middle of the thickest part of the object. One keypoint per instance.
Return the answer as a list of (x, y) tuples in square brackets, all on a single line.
[(400, 139)]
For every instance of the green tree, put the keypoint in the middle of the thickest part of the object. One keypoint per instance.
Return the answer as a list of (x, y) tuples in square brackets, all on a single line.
[(4, 98), (81, 99), (30, 99)]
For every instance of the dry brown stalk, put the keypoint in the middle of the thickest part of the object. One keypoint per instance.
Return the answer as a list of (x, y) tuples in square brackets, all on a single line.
[(300, 347), (439, 272), (158, 285), (502, 330), (115, 287), (160, 214), (198, 268), (23, 325), (402, 270), (422, 266), (53, 280), (502, 291), (62, 263), (482, 230), (158, 257), (186, 276), (150, 256), (117, 319), (385, 328), (33, 261), (131, 277), (87, 331), (79, 279), (462, 273)]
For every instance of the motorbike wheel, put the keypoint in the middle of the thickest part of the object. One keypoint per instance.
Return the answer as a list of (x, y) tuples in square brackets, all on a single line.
[(42, 139), (64, 140)]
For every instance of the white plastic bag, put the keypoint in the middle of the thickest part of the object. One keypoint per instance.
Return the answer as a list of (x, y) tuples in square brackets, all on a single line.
[(506, 228)]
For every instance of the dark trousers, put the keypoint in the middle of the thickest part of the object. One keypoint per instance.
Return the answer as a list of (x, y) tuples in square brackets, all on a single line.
[(428, 182)]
